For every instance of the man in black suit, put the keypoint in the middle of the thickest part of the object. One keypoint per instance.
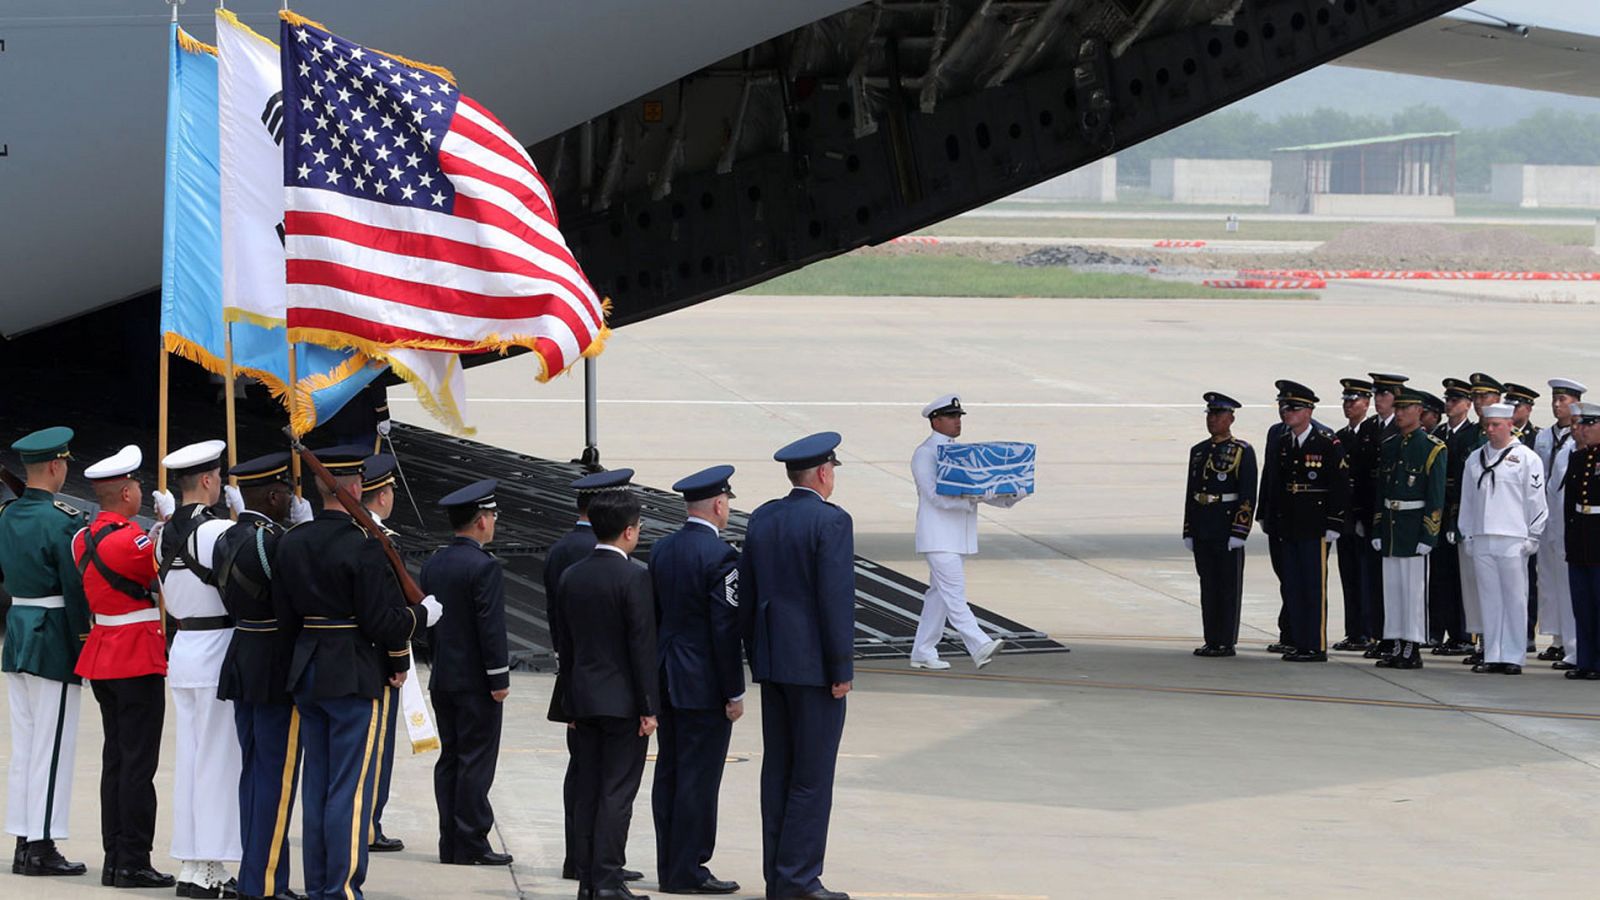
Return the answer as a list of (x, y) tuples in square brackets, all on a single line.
[(471, 675), (574, 547), (606, 636), (696, 580)]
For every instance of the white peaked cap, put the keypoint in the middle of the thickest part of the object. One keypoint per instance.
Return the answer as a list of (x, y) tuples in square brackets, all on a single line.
[(195, 455), (940, 402), (124, 462)]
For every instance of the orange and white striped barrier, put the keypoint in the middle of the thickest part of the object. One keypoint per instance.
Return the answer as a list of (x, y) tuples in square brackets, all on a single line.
[(914, 239), (1417, 275), (1164, 244)]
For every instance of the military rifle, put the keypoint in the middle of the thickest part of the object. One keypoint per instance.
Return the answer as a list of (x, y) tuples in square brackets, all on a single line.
[(352, 505)]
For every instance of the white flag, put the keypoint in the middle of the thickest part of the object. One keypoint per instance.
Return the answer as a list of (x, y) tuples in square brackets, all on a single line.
[(250, 113)]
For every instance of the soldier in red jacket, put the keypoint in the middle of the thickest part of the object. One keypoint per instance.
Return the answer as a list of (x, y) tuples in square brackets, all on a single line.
[(125, 661)]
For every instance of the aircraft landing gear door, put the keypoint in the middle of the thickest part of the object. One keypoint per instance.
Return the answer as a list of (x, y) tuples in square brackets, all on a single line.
[(591, 417)]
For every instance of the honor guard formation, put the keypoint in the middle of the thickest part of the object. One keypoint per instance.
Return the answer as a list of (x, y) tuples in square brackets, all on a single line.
[(1460, 528), (283, 629)]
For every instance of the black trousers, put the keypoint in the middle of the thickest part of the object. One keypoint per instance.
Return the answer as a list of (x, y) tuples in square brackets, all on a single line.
[(1533, 598), (1446, 617), (469, 750), (1275, 555), (800, 730), (131, 713), (1221, 574), (691, 749), (1585, 584), (610, 757), (569, 794), (1361, 580), (1302, 567)]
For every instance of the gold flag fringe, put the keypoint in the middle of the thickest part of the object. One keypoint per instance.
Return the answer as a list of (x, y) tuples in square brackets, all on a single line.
[(294, 18), (227, 16), (189, 43), (305, 413), (179, 345)]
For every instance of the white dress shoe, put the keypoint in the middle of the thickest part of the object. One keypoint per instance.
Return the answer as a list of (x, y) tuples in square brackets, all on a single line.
[(986, 652), (929, 664)]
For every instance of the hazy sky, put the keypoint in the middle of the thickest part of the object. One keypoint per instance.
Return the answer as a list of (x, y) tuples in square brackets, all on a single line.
[(1474, 105)]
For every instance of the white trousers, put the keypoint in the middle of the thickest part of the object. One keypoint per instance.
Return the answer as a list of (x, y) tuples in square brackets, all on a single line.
[(205, 778), (1471, 606), (1555, 602), (1405, 598), (44, 740), (1502, 577), (946, 600)]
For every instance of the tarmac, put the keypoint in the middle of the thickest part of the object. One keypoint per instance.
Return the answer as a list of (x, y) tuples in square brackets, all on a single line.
[(1127, 767)]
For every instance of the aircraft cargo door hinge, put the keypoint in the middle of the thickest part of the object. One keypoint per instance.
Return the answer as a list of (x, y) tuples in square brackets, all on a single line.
[(1091, 86)]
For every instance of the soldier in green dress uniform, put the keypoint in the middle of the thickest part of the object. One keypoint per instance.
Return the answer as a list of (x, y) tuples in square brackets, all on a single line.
[(1410, 503), (45, 628)]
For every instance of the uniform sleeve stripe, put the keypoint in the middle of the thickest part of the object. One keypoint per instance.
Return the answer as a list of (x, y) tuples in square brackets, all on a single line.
[(500, 671)]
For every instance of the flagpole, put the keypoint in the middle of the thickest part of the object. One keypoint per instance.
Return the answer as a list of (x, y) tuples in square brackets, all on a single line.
[(294, 407), (228, 406), (161, 418)]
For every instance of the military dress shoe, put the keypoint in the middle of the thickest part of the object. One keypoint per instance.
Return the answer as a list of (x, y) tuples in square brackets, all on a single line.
[(1400, 662), (1553, 653), (709, 886), (1562, 665), (1374, 651), (142, 877), (1510, 669), (108, 873), (631, 875), (1353, 645), (228, 890), (819, 894), (934, 664), (621, 892), (385, 844), (488, 858), (18, 855), (1305, 656), (43, 859), (1279, 648), (183, 888), (986, 653), (1491, 668), (1582, 675)]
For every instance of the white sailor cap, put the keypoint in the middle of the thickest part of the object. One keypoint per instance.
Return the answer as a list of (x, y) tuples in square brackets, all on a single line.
[(118, 465), (196, 457), (1567, 386), (1497, 411), (944, 405)]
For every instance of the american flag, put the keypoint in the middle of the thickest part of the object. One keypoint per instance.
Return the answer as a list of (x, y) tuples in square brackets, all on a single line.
[(413, 217)]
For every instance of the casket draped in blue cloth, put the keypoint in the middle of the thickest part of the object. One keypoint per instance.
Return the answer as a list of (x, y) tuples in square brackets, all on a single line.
[(1005, 467)]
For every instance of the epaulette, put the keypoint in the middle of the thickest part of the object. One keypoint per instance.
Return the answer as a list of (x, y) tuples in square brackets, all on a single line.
[(1242, 442), (1435, 439), (68, 508)]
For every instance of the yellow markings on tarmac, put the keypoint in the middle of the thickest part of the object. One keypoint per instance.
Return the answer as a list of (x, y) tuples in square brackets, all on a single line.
[(1253, 695)]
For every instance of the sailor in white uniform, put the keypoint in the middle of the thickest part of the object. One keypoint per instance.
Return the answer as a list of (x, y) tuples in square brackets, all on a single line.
[(947, 529), (205, 808), (1554, 446), (1503, 515)]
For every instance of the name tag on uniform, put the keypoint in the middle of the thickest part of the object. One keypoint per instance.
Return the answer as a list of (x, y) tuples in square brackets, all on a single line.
[(1411, 481), (1513, 461)]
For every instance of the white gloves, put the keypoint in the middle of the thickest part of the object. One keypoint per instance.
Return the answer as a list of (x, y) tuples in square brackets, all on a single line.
[(1188, 544), (1530, 547), (1450, 537), (383, 427), (1331, 537), (435, 609), (234, 498), (1361, 529), (299, 511), (1377, 544), (1424, 549), (164, 505), (1236, 543)]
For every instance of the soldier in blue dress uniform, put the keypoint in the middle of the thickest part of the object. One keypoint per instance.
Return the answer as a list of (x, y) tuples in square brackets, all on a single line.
[(255, 672), (1360, 569), (797, 611), (573, 547), (45, 630), (1305, 486), (696, 579), (1446, 620), (471, 675), (1218, 510), (377, 495), (332, 585)]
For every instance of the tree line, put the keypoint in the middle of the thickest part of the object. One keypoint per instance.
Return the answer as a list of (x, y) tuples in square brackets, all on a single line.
[(1544, 137)]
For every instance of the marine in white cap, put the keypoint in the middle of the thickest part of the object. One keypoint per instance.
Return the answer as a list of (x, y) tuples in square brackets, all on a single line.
[(1554, 446), (947, 530), (1503, 514), (205, 807)]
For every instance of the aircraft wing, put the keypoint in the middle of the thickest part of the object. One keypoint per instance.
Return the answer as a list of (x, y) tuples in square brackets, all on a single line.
[(1461, 49)]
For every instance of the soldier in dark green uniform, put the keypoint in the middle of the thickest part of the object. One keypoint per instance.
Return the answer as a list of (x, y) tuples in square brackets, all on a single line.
[(45, 629), (1218, 508), (1410, 505), (1446, 623)]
